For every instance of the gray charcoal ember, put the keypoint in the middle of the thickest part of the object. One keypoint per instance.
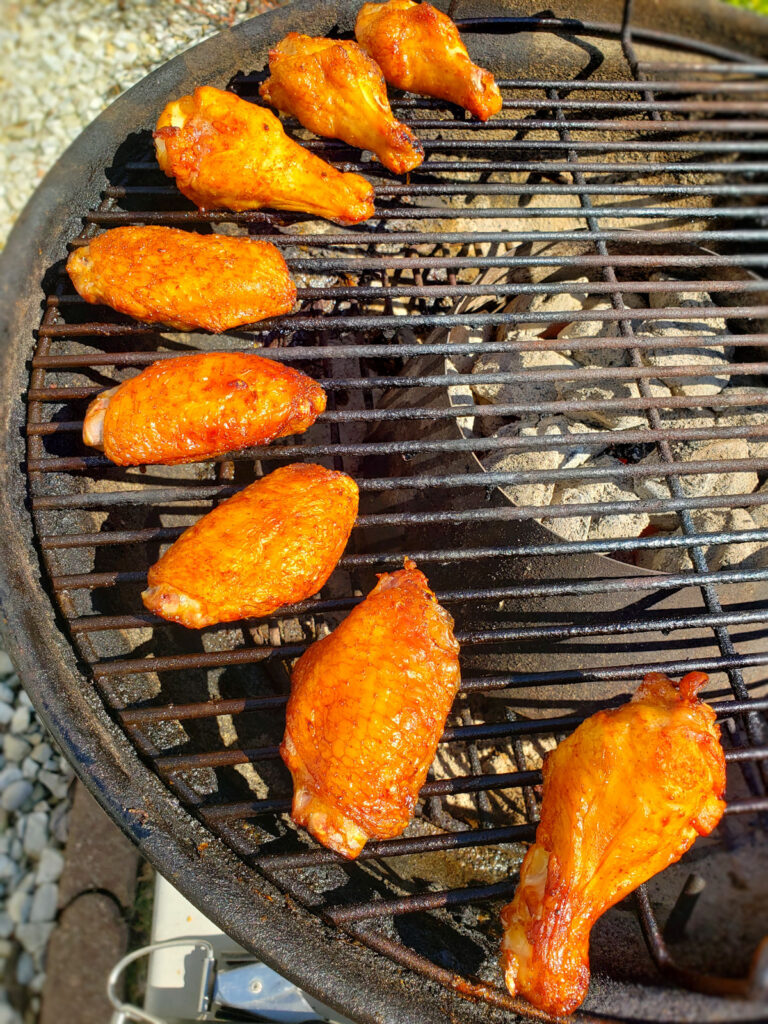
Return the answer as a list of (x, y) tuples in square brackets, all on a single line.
[(532, 390), (711, 348), (747, 415), (702, 484), (521, 461), (752, 555), (552, 304), (598, 527), (603, 390)]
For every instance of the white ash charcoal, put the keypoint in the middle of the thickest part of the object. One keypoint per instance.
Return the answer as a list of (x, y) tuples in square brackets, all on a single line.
[(589, 492), (746, 415), (552, 304), (603, 390), (601, 328), (533, 390), (752, 555), (522, 461), (702, 484), (713, 357), (711, 349)]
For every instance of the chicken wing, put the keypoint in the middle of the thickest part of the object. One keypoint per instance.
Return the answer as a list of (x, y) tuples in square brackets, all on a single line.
[(624, 796), (198, 406), (368, 705), (274, 543), (226, 152), (336, 90), (419, 49), (163, 275)]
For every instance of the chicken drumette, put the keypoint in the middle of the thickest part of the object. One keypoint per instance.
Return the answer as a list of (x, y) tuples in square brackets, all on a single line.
[(624, 796), (198, 406), (274, 543), (368, 705), (184, 280), (226, 152), (419, 49), (336, 90)]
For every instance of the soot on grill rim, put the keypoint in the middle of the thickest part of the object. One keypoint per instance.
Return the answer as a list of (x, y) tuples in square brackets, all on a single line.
[(651, 182)]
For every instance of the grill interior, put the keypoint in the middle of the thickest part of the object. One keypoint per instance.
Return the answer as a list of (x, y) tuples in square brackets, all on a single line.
[(643, 159)]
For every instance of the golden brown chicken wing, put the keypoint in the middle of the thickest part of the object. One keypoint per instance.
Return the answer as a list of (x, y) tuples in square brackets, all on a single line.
[(184, 280), (198, 406), (419, 49), (624, 796), (274, 543), (336, 90), (368, 705), (226, 152)]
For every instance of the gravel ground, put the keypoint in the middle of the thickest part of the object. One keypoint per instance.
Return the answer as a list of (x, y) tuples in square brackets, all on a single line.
[(61, 63)]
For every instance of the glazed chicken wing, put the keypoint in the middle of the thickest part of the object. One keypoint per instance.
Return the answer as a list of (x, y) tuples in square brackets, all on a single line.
[(198, 406), (419, 49), (368, 705), (336, 90), (274, 543), (184, 280), (624, 796), (226, 152)]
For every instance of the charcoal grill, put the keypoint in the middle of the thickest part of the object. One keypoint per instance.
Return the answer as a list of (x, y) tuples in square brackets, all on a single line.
[(659, 116)]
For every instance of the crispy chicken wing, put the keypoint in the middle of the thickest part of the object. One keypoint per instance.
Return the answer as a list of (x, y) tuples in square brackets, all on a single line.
[(198, 406), (419, 49), (184, 280), (274, 543), (368, 705), (624, 797), (335, 89), (226, 152)]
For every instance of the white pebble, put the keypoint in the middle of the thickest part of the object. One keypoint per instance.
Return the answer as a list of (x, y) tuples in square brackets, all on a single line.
[(34, 936), (16, 849), (6, 925), (16, 795), (6, 665), (14, 747), (6, 713), (57, 784), (41, 753), (36, 834), (50, 867), (21, 719), (38, 983), (25, 969), (44, 903), (29, 768), (8, 1015), (7, 867), (7, 695), (9, 774), (24, 699), (6, 948), (18, 907)]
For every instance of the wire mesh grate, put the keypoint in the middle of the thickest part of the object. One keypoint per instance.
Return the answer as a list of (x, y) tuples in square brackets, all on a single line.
[(632, 193)]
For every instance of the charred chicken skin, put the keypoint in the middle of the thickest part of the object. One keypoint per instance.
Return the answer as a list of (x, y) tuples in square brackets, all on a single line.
[(274, 543), (419, 49), (184, 280), (624, 796), (336, 90), (368, 705), (198, 406), (226, 152)]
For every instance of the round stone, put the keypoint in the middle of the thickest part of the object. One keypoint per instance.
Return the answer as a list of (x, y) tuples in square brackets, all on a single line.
[(25, 969), (15, 748), (16, 795), (21, 720), (44, 903), (50, 867), (18, 907)]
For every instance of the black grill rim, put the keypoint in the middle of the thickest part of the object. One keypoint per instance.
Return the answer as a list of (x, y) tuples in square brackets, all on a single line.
[(295, 943)]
